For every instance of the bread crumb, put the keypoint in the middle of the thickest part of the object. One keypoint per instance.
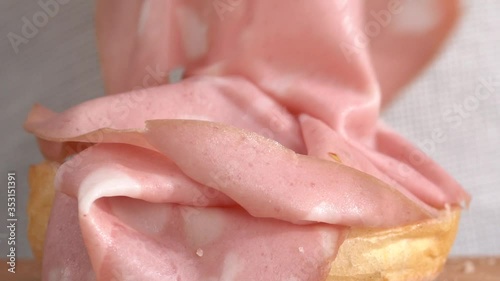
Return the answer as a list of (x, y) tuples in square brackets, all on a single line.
[(199, 252)]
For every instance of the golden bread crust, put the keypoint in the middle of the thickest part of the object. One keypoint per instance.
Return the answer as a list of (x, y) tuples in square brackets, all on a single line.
[(415, 252), (41, 182)]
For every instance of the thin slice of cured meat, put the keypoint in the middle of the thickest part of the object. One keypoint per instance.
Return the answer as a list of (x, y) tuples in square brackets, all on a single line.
[(141, 217)]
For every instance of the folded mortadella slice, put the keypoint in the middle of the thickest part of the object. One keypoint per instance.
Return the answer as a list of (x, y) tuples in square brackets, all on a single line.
[(425, 179), (117, 118), (302, 66), (268, 180), (142, 218)]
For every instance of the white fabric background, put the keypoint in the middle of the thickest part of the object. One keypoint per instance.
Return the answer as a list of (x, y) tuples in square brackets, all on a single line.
[(471, 151), (59, 68)]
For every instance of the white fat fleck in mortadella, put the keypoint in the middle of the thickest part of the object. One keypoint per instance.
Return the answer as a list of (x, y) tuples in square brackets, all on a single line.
[(105, 182), (60, 274), (141, 215), (417, 16), (204, 227), (323, 211), (143, 16), (193, 31), (329, 241), (293, 278), (233, 265)]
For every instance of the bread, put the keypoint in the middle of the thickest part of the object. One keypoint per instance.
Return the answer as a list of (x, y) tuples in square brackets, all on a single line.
[(411, 253), (41, 182), (415, 252)]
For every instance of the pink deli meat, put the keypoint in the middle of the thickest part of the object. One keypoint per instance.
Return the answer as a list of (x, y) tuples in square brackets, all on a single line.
[(256, 164)]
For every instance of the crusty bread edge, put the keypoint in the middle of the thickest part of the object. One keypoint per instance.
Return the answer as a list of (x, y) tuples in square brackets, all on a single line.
[(415, 252), (41, 196)]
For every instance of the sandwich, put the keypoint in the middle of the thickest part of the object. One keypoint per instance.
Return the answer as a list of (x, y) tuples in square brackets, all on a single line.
[(265, 160)]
